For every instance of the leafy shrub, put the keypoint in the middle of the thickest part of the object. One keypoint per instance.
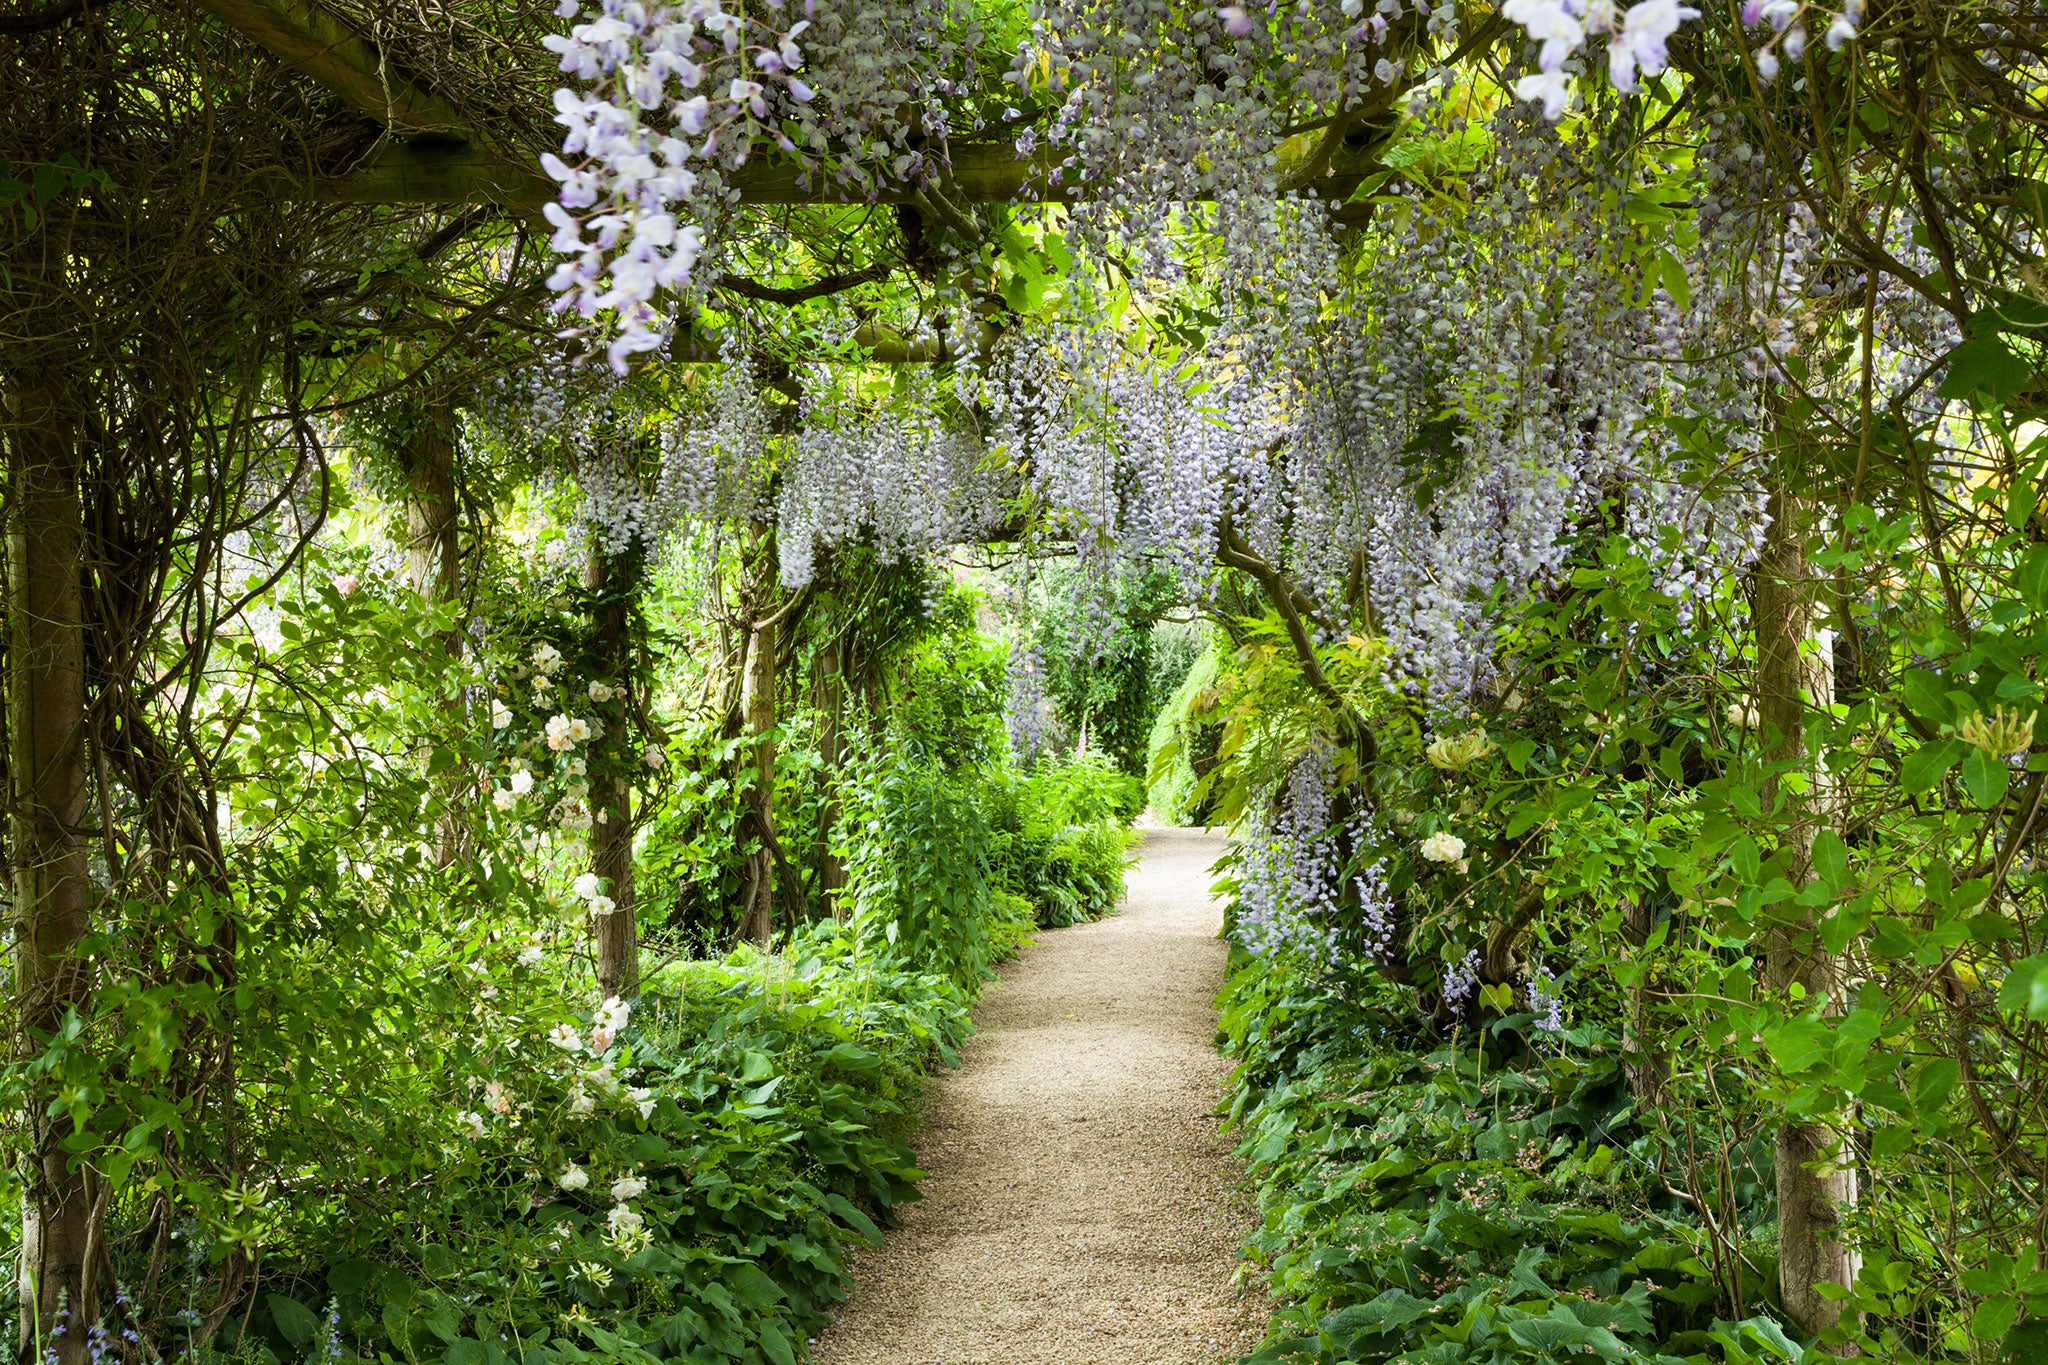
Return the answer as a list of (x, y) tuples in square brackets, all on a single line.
[(920, 866), (1182, 747), (1060, 834), (1422, 1203), (688, 1194)]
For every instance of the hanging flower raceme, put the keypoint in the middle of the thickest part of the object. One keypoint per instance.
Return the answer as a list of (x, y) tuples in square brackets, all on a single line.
[(661, 84), (1638, 38)]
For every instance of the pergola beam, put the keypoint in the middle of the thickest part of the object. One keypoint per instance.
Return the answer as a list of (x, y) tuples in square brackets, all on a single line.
[(439, 172), (308, 39), (437, 156)]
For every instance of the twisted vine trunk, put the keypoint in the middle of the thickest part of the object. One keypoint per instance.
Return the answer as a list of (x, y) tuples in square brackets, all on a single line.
[(757, 703), (1815, 1178), (434, 565), (616, 936), (829, 696), (48, 789)]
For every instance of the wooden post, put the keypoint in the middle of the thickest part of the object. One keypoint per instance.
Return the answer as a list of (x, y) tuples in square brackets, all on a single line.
[(48, 781)]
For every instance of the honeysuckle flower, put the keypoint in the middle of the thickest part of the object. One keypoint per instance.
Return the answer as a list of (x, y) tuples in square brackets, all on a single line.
[(1443, 848), (623, 1219), (1454, 753), (573, 1179), (628, 1187), (565, 1037)]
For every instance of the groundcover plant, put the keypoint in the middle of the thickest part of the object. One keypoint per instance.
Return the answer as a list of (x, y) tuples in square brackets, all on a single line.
[(576, 578)]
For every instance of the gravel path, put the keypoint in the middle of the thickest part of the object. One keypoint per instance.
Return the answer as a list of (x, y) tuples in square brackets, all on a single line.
[(1081, 1204)]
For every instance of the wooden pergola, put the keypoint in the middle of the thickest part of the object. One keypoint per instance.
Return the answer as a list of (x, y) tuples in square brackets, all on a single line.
[(433, 154)]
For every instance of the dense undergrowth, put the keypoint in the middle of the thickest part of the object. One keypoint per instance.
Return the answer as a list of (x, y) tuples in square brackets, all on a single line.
[(1463, 1200), (708, 1220)]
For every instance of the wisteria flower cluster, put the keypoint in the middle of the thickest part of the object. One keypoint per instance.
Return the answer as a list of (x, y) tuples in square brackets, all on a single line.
[(624, 178), (1638, 39)]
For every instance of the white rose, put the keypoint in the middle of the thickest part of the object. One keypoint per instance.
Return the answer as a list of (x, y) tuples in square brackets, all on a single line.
[(522, 783), (1443, 848), (565, 1037), (654, 757), (628, 1187), (602, 905), (504, 798), (501, 714), (575, 1178), (586, 886)]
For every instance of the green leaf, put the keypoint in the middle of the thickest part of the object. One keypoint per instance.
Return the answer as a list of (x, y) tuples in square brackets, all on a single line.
[(1926, 695), (2026, 988), (1985, 777), (1994, 1317), (1672, 271), (1831, 858), (775, 1343), (1986, 365), (1799, 1044), (1927, 765), (1931, 1088), (294, 1319)]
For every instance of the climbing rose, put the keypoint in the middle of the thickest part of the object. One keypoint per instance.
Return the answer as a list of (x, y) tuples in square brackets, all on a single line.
[(565, 1037), (628, 1187), (573, 1179), (346, 584), (1443, 848)]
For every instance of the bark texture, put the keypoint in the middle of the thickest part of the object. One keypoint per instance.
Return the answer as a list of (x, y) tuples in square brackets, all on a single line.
[(616, 936), (48, 769), (1795, 673)]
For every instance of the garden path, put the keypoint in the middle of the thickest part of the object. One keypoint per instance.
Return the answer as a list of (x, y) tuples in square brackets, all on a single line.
[(1081, 1206)]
